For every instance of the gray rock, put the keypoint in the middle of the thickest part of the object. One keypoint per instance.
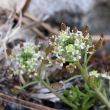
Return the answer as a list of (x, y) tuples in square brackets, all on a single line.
[(74, 13)]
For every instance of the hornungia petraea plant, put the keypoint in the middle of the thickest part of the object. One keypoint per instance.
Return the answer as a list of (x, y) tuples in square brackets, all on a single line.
[(67, 47)]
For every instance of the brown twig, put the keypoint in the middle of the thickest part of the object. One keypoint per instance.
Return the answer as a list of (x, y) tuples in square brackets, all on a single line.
[(26, 6), (46, 26), (97, 37), (24, 103), (34, 29)]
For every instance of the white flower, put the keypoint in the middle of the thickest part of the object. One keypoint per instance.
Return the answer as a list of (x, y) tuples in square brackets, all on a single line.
[(61, 64), (30, 76), (21, 72), (82, 45), (76, 42), (74, 59), (94, 73), (23, 66), (17, 63), (70, 48), (35, 74), (104, 75)]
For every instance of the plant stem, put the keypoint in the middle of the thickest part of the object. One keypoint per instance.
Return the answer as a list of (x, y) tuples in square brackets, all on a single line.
[(99, 94), (82, 70), (72, 78), (101, 97), (40, 69), (34, 82), (58, 95), (46, 77), (85, 65), (90, 57)]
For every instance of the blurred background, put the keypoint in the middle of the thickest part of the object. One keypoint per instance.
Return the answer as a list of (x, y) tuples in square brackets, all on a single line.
[(74, 13)]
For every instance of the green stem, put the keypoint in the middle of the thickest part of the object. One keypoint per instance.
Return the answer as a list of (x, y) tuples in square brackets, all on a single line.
[(58, 95), (46, 77), (40, 69), (89, 57), (85, 65), (99, 94), (34, 82), (101, 97), (82, 70), (72, 78)]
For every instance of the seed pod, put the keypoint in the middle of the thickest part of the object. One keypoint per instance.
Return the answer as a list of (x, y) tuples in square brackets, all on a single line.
[(42, 47), (48, 49), (89, 42), (9, 51), (45, 61), (85, 33), (75, 30), (59, 61), (36, 50), (86, 28), (99, 43), (70, 68), (15, 90), (36, 42), (52, 39), (90, 49), (21, 45), (56, 85), (63, 27), (91, 79)]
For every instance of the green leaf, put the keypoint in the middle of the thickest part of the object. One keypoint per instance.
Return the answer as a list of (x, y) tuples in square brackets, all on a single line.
[(99, 43), (90, 104), (72, 88), (79, 93), (87, 89), (66, 92), (85, 99), (104, 93), (102, 106), (109, 89), (76, 102)]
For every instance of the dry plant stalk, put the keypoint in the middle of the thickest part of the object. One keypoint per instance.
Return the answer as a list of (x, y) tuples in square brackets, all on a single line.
[(23, 103)]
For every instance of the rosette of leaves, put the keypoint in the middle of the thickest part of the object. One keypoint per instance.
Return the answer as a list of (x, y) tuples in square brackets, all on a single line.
[(82, 100)]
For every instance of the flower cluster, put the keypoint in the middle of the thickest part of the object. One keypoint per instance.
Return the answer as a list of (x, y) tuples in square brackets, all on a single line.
[(70, 44), (97, 75), (26, 59)]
